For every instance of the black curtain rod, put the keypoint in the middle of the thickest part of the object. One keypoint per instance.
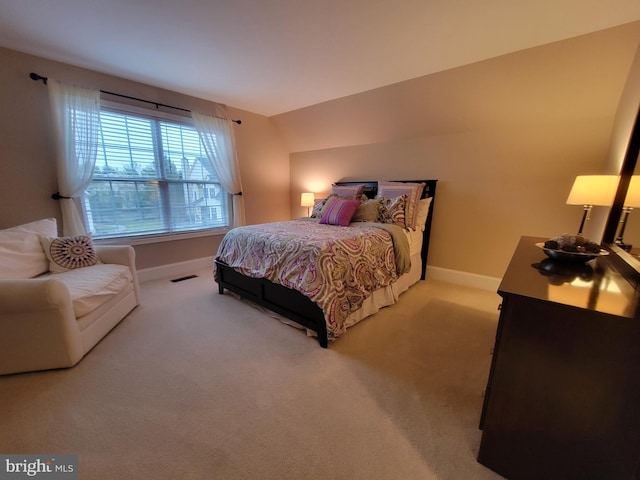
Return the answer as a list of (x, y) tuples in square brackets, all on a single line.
[(36, 77)]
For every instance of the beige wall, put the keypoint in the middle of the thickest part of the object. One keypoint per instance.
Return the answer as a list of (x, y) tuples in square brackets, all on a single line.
[(505, 138), (27, 152)]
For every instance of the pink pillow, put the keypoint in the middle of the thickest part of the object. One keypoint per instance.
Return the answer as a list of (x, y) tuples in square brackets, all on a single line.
[(339, 211)]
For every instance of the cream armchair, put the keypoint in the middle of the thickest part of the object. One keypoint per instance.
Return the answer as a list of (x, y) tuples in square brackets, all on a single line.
[(51, 320)]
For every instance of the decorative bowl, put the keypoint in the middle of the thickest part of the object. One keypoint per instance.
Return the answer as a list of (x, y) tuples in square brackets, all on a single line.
[(575, 257)]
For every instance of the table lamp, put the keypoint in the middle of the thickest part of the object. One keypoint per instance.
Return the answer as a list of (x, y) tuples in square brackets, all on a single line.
[(631, 201), (592, 190), (307, 199)]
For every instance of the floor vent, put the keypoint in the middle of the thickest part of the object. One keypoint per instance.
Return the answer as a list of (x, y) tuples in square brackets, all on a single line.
[(183, 278)]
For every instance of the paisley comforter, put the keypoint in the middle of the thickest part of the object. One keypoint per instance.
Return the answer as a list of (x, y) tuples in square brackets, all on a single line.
[(336, 267)]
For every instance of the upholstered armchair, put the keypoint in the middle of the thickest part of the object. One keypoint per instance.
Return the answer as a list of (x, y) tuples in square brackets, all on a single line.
[(59, 296)]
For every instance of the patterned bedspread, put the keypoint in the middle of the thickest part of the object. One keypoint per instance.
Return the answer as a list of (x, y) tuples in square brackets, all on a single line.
[(336, 267)]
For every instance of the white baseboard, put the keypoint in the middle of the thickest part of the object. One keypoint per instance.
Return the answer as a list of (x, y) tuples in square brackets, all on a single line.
[(173, 270), (467, 279)]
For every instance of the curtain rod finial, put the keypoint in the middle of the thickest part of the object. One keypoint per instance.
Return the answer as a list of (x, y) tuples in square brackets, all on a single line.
[(36, 77)]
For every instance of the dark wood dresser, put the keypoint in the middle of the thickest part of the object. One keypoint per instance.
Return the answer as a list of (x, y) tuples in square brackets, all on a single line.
[(563, 395)]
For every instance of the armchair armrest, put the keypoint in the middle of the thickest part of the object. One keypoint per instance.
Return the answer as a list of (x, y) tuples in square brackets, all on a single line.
[(120, 255), (34, 294), (38, 326)]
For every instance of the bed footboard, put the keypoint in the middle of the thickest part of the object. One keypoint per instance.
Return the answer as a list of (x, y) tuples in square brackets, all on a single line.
[(284, 301)]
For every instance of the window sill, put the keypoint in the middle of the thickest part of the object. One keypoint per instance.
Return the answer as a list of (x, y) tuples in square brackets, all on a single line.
[(164, 237)]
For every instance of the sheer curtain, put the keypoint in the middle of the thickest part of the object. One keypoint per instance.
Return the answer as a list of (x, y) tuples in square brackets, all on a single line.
[(219, 144), (76, 115)]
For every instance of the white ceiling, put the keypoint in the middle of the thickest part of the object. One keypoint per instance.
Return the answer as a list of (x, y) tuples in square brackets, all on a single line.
[(273, 56)]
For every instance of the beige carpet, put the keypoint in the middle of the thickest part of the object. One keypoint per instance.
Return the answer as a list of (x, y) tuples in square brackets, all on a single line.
[(194, 385)]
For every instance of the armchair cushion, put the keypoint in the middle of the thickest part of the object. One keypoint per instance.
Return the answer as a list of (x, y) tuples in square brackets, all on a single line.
[(91, 287), (21, 254)]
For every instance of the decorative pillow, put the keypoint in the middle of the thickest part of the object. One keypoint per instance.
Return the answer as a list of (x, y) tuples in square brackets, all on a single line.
[(422, 212), (319, 205), (67, 253), (339, 211), (393, 210), (413, 192), (368, 211), (352, 192), (21, 254)]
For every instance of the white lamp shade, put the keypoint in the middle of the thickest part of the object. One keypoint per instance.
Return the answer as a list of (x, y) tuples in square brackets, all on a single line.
[(307, 199), (633, 193), (593, 190)]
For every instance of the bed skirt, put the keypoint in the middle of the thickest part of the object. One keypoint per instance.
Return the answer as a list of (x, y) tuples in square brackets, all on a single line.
[(383, 297)]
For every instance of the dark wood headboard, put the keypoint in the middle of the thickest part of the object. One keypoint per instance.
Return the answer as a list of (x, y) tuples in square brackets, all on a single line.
[(371, 190)]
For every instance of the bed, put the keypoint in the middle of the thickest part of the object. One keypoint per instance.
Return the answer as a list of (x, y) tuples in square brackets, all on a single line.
[(292, 275)]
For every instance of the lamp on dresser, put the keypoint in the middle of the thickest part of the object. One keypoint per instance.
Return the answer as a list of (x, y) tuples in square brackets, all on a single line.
[(590, 191), (631, 201), (307, 199)]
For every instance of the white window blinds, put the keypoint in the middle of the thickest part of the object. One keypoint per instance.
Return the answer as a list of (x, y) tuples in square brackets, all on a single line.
[(152, 176)]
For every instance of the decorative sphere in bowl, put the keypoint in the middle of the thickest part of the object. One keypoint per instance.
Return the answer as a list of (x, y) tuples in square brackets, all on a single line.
[(571, 248)]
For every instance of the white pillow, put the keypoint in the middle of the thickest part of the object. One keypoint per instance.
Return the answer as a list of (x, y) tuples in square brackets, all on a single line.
[(21, 254), (423, 212)]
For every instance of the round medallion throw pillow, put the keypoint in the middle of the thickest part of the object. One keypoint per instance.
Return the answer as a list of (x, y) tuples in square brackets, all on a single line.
[(67, 253)]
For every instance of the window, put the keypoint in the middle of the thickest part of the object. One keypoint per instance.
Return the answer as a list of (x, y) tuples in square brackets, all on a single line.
[(152, 176)]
